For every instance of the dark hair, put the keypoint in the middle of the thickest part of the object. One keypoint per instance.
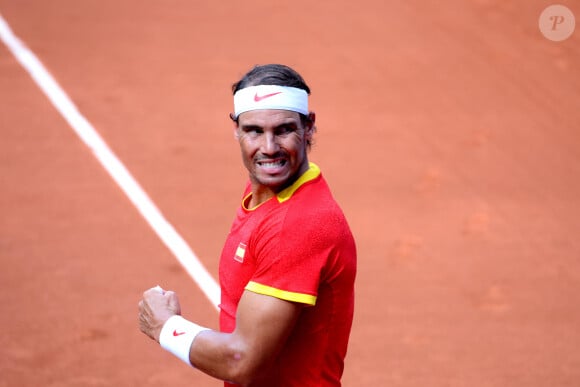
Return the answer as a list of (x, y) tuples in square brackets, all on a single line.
[(271, 74), (276, 75)]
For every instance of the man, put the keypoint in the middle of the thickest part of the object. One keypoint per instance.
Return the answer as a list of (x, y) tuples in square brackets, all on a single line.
[(288, 266)]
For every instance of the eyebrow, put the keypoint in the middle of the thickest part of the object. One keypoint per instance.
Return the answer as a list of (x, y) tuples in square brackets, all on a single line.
[(280, 125)]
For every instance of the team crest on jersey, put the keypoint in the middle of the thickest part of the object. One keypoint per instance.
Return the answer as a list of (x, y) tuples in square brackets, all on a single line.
[(240, 252)]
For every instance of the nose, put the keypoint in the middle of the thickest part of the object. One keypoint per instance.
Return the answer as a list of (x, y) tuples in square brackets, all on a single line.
[(270, 144)]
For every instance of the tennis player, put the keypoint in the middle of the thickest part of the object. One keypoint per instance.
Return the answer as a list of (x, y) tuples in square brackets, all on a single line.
[(287, 269)]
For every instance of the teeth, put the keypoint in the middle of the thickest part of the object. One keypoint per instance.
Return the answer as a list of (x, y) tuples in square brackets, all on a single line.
[(272, 164)]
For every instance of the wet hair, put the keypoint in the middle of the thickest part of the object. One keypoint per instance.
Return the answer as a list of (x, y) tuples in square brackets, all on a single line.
[(276, 75), (271, 74)]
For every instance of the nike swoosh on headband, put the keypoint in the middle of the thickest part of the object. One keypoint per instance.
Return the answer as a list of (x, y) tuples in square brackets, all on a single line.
[(258, 98)]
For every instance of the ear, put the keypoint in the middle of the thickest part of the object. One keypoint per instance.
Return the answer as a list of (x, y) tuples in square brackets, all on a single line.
[(235, 126), (311, 126), (312, 117)]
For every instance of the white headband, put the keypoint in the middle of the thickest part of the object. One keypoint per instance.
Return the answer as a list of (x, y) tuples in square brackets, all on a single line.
[(270, 97)]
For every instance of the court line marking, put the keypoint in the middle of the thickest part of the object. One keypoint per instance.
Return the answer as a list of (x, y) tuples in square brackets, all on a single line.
[(111, 163)]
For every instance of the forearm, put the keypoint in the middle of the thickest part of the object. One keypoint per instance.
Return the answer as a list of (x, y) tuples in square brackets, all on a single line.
[(225, 356), (263, 324)]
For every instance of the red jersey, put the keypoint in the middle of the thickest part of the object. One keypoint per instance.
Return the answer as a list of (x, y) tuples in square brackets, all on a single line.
[(298, 247)]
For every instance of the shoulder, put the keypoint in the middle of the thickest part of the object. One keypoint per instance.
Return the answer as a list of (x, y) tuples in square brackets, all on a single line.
[(310, 211), (315, 209)]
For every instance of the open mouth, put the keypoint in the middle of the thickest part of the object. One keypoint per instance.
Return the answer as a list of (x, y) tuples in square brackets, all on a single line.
[(271, 165)]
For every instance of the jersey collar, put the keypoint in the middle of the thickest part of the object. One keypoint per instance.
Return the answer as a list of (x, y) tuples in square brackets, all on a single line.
[(312, 173)]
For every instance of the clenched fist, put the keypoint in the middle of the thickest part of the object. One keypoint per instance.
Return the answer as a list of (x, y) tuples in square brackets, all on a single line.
[(155, 309)]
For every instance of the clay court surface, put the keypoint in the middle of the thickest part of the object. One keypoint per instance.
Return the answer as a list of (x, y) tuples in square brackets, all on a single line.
[(449, 133)]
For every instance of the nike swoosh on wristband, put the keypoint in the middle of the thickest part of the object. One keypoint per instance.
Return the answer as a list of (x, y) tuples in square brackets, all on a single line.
[(258, 98), (175, 333)]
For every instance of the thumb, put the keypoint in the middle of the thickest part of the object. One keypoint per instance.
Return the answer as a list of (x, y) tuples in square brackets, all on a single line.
[(173, 302)]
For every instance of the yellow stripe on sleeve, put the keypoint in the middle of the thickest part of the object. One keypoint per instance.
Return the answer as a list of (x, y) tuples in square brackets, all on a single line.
[(281, 294)]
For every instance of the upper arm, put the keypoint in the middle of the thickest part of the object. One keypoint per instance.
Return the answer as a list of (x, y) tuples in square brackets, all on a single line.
[(263, 323)]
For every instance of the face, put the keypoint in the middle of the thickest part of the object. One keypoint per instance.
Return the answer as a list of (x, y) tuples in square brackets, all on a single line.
[(274, 147)]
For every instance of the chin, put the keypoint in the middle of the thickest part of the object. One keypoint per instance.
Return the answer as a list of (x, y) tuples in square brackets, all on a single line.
[(274, 182)]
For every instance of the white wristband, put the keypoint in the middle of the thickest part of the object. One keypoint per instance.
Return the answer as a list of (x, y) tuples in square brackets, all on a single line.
[(177, 335)]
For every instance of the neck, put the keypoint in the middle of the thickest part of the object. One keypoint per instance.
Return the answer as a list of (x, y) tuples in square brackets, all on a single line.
[(259, 196), (262, 193)]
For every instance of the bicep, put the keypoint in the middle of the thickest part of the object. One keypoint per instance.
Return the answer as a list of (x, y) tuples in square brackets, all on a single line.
[(263, 323)]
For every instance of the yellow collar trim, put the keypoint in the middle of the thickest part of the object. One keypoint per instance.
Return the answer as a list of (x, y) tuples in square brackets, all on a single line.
[(312, 173)]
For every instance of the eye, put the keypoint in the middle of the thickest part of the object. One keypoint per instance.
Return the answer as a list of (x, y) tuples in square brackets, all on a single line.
[(285, 129), (253, 130)]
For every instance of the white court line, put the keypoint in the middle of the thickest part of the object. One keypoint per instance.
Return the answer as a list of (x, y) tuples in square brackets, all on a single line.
[(111, 163)]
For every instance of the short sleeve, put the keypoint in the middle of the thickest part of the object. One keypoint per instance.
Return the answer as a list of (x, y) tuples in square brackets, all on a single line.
[(291, 255)]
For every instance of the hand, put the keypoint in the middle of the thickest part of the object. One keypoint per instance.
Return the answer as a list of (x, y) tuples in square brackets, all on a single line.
[(155, 309)]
